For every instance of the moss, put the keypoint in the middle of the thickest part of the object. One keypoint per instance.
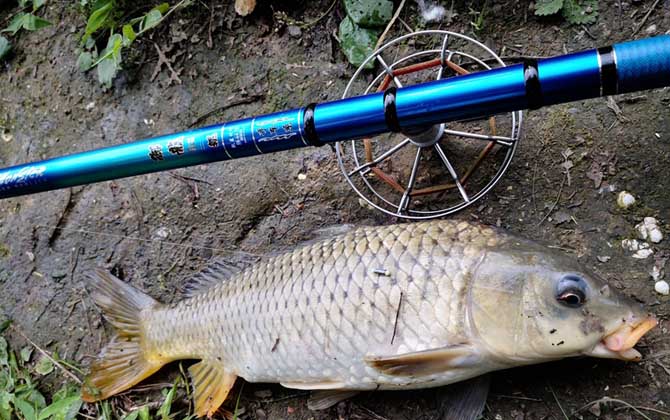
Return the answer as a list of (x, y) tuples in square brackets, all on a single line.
[(4, 251)]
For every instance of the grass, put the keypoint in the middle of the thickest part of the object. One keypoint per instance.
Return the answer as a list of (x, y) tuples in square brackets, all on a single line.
[(23, 378)]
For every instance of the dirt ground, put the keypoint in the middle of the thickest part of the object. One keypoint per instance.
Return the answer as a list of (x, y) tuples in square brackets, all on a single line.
[(156, 230)]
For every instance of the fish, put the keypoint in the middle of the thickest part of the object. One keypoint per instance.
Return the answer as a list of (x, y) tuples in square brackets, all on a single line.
[(394, 307)]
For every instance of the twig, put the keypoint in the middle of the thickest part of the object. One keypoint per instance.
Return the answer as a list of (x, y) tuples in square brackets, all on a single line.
[(248, 100), (48, 356), (532, 187), (587, 32), (162, 59), (190, 178), (210, 43), (557, 402), (409, 28), (390, 24), (513, 397), (372, 413), (306, 25), (606, 400), (558, 198), (646, 16), (397, 314)]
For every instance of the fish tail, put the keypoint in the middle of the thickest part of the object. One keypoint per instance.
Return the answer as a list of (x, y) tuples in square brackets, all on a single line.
[(122, 363)]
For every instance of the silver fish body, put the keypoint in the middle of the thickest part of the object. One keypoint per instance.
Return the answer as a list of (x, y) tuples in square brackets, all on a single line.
[(315, 317), (394, 307)]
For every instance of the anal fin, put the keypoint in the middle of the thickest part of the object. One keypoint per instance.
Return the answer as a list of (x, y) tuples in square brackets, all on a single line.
[(211, 385), (324, 399), (425, 362)]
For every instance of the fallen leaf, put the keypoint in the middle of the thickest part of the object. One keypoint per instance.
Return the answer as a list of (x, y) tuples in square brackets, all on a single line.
[(244, 7), (595, 174)]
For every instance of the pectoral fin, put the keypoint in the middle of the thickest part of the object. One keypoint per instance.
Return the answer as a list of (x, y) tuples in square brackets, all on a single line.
[(425, 362), (212, 385), (464, 400)]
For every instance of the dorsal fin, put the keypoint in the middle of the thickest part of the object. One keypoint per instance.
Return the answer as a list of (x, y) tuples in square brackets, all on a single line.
[(215, 273)]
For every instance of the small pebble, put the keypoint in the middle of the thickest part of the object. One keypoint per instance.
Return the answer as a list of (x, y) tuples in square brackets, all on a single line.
[(639, 249), (649, 229), (650, 29), (656, 273), (162, 232), (302, 177), (662, 287), (294, 31), (625, 199)]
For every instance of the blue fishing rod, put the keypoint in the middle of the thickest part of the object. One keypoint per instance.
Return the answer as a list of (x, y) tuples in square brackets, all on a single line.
[(625, 67)]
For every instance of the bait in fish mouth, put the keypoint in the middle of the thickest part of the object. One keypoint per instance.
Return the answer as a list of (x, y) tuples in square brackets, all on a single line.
[(394, 307)]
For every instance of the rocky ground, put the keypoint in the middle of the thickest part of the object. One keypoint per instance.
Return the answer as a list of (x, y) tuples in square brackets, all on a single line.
[(156, 230)]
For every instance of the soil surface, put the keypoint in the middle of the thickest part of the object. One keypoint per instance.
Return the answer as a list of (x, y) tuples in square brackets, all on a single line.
[(155, 231)]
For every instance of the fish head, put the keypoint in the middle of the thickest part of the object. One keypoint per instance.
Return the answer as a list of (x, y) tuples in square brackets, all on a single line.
[(529, 303)]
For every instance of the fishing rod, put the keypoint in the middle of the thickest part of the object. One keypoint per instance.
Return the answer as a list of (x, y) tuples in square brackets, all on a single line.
[(418, 113)]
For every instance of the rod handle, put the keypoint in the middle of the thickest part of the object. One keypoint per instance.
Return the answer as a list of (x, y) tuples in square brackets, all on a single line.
[(643, 64)]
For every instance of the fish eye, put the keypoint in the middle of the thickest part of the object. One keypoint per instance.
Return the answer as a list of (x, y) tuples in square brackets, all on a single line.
[(571, 291)]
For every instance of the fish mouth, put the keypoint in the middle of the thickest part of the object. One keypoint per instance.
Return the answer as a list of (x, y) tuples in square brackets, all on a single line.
[(620, 344)]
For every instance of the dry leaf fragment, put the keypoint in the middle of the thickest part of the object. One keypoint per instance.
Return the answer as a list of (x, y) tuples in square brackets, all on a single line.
[(244, 7)]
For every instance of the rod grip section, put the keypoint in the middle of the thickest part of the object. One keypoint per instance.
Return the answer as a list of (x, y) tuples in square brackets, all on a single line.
[(643, 64)]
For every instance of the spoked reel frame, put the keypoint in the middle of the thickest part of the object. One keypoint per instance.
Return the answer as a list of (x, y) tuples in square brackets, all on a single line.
[(363, 170)]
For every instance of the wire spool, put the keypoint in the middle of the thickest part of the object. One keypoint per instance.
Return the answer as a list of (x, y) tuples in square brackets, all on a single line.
[(438, 170)]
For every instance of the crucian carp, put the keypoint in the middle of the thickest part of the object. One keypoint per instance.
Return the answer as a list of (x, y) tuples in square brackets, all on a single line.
[(378, 308)]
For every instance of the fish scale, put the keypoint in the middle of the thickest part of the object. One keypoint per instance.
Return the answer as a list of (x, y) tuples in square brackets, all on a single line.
[(312, 316)]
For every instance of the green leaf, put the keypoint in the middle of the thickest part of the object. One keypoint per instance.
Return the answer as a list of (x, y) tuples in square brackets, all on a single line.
[(128, 35), (5, 48), (4, 354), (547, 7), (37, 4), (132, 415), (107, 69), (60, 409), (369, 13), (357, 43), (16, 23), (98, 18), (23, 3), (114, 44), (85, 61), (33, 23), (580, 12), (144, 413), (163, 7), (26, 409), (44, 366), (151, 19), (4, 325), (26, 352), (6, 380), (165, 408), (5, 406)]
